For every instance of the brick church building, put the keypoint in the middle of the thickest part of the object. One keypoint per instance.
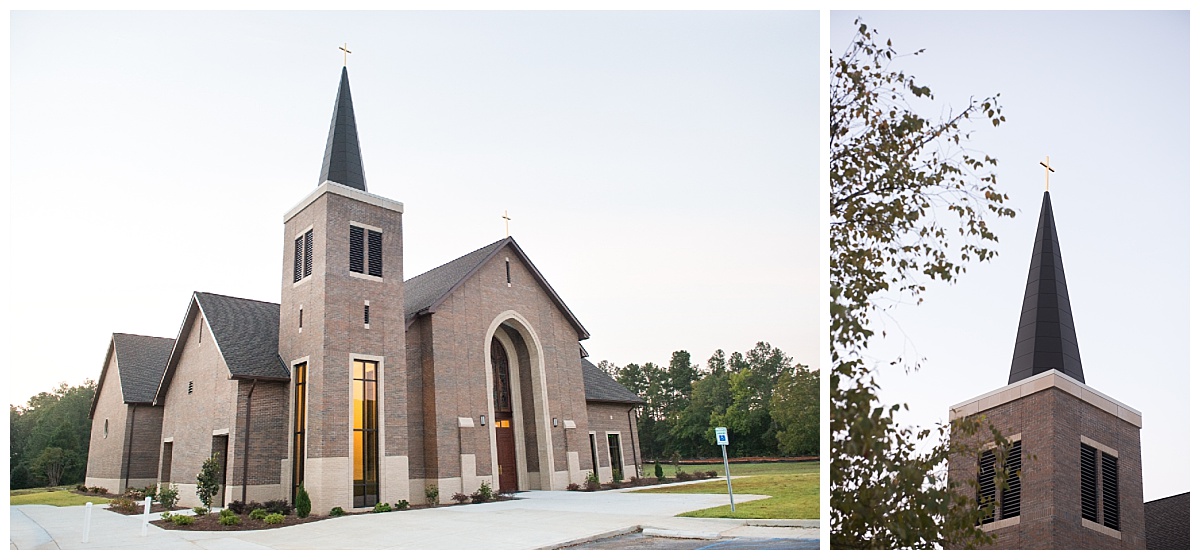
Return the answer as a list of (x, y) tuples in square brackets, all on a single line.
[(361, 385), (1074, 466)]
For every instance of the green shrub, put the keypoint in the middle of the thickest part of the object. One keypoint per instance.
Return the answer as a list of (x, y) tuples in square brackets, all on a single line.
[(123, 505), (149, 491), (485, 492), (592, 483), (81, 488), (431, 494), (99, 490), (402, 505), (278, 506), (166, 516), (337, 511), (382, 508), (303, 504), (168, 495), (258, 514), (182, 519), (227, 513), (231, 519), (658, 471), (274, 518), (200, 510), (208, 482)]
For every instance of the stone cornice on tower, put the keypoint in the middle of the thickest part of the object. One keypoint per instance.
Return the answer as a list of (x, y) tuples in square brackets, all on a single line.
[(1052, 379), (1046, 332)]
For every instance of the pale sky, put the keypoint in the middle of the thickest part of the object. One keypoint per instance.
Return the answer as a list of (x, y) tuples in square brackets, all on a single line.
[(1105, 95), (661, 168)]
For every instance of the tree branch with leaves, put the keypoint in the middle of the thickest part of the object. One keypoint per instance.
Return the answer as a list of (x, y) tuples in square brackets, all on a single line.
[(909, 204)]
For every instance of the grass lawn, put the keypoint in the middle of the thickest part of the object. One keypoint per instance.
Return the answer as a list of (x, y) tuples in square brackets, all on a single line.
[(792, 487), (59, 496)]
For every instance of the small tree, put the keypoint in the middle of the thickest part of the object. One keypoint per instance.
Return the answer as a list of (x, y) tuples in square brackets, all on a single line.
[(208, 483), (303, 504), (51, 462), (658, 471)]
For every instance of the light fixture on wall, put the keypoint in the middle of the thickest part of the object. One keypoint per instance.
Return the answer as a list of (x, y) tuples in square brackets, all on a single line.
[(555, 420), (482, 420)]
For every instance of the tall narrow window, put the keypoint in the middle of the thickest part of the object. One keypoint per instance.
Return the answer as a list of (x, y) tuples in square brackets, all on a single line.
[(501, 387), (302, 317), (1007, 502), (302, 261), (365, 442), (1088, 487), (1099, 486), (367, 314), (507, 273), (375, 253), (299, 419), (614, 455), (1112, 503), (308, 252), (356, 249), (595, 455), (298, 261)]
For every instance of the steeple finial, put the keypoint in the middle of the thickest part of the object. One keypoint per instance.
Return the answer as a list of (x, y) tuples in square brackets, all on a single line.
[(343, 161), (1046, 333), (1049, 169), (345, 54)]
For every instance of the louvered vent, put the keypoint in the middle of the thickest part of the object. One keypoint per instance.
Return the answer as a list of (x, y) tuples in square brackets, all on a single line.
[(375, 253), (298, 262), (308, 253), (1087, 482), (366, 314), (1010, 503), (987, 483), (356, 249), (1112, 508)]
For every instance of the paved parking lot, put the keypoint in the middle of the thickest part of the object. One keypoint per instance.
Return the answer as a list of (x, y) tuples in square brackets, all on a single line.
[(537, 520)]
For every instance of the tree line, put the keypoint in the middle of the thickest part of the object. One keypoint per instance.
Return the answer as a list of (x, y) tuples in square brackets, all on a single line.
[(770, 407), (49, 437)]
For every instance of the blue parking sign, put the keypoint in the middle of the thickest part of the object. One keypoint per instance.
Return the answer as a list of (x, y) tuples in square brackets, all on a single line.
[(722, 436)]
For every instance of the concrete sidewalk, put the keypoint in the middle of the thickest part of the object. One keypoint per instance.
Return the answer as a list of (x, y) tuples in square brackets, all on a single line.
[(536, 520)]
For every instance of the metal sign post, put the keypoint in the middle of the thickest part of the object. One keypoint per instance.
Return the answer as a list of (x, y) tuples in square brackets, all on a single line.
[(723, 441)]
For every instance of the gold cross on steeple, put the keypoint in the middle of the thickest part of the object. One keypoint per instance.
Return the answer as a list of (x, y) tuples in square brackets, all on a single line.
[(345, 52), (1046, 164), (506, 220)]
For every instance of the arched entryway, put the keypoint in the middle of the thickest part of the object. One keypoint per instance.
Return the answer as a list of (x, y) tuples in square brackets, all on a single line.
[(518, 407)]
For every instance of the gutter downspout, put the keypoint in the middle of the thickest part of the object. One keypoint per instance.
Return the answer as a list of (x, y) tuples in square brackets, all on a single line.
[(633, 440), (246, 441)]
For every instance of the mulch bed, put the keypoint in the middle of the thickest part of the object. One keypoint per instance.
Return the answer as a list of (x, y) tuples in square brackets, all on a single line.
[(211, 521)]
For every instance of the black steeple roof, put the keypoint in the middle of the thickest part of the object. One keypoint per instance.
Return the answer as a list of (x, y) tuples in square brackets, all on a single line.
[(343, 161), (1046, 333)]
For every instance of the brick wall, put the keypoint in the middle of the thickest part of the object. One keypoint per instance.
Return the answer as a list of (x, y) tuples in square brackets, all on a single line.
[(1051, 422), (106, 453), (602, 419), (191, 419), (460, 350)]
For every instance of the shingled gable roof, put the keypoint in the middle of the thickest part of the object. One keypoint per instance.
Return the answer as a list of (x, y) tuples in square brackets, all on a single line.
[(424, 293), (246, 333), (599, 387), (1167, 523), (140, 364)]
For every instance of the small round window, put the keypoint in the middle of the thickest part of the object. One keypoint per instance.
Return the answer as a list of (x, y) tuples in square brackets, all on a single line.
[(106, 427)]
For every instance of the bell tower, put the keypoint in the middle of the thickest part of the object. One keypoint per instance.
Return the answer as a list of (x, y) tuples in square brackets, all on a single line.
[(1074, 467), (341, 332)]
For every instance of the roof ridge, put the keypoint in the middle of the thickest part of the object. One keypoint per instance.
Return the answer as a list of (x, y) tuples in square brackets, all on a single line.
[(457, 259), (236, 297)]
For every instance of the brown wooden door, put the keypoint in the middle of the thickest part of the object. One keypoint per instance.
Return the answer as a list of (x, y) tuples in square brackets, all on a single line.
[(506, 455)]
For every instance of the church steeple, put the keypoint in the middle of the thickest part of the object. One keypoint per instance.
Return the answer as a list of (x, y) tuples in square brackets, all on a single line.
[(1046, 333), (343, 161)]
